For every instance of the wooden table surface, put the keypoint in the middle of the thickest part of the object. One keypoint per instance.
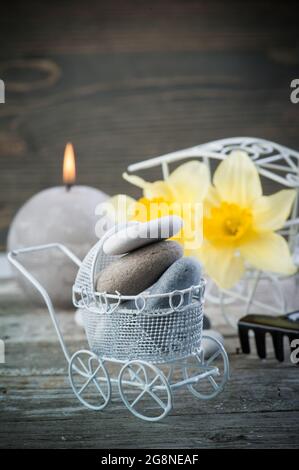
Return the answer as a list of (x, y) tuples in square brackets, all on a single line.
[(258, 408)]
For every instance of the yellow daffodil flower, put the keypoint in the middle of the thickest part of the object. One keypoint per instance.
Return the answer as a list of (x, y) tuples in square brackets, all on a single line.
[(182, 193), (239, 223)]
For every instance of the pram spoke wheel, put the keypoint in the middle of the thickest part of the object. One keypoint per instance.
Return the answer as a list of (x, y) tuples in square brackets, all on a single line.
[(207, 376), (89, 380), (144, 390)]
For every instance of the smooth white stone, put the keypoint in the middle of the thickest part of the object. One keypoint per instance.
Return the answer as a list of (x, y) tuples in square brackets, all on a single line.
[(141, 234), (55, 215)]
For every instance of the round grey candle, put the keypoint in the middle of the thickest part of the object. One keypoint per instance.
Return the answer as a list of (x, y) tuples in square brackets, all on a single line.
[(64, 214)]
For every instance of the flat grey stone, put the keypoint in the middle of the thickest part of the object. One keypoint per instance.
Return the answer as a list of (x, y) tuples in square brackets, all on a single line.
[(138, 270), (182, 274)]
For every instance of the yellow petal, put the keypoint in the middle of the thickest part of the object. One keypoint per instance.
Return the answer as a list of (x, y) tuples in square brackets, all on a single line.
[(135, 180), (237, 180), (271, 212), (212, 199), (158, 189), (222, 265), (190, 182), (270, 252), (119, 208)]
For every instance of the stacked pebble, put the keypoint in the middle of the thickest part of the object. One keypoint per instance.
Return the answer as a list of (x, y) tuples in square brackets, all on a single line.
[(149, 263), (138, 270)]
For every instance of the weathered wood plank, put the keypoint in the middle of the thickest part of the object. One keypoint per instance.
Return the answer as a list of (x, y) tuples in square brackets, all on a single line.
[(38, 416), (258, 408)]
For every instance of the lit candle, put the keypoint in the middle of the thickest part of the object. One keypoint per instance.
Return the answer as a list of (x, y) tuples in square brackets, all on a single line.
[(62, 214), (69, 166)]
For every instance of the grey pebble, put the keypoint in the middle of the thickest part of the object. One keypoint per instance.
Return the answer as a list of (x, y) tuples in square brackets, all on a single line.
[(182, 274), (139, 269)]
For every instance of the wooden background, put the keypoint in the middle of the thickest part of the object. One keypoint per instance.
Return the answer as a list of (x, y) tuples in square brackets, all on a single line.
[(127, 80)]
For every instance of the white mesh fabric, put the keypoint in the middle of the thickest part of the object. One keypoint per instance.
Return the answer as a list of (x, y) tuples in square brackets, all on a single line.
[(157, 337)]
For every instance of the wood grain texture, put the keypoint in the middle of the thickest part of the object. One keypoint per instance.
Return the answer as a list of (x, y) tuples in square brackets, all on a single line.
[(259, 407), (129, 80)]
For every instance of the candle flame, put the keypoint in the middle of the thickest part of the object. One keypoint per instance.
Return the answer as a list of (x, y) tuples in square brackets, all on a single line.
[(69, 165)]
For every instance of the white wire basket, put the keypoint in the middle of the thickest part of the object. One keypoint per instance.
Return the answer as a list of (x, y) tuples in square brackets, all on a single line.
[(143, 332), (158, 336), (158, 350)]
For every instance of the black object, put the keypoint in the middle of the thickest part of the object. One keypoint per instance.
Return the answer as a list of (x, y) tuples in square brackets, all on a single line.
[(278, 327), (206, 323)]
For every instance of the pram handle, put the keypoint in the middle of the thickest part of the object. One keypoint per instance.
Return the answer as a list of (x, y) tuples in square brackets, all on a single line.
[(12, 257)]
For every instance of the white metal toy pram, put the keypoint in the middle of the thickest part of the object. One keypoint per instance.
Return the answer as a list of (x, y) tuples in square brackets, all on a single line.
[(148, 345)]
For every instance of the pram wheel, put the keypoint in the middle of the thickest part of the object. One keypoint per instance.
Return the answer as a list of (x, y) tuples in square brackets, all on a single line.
[(209, 385), (140, 382), (89, 380)]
